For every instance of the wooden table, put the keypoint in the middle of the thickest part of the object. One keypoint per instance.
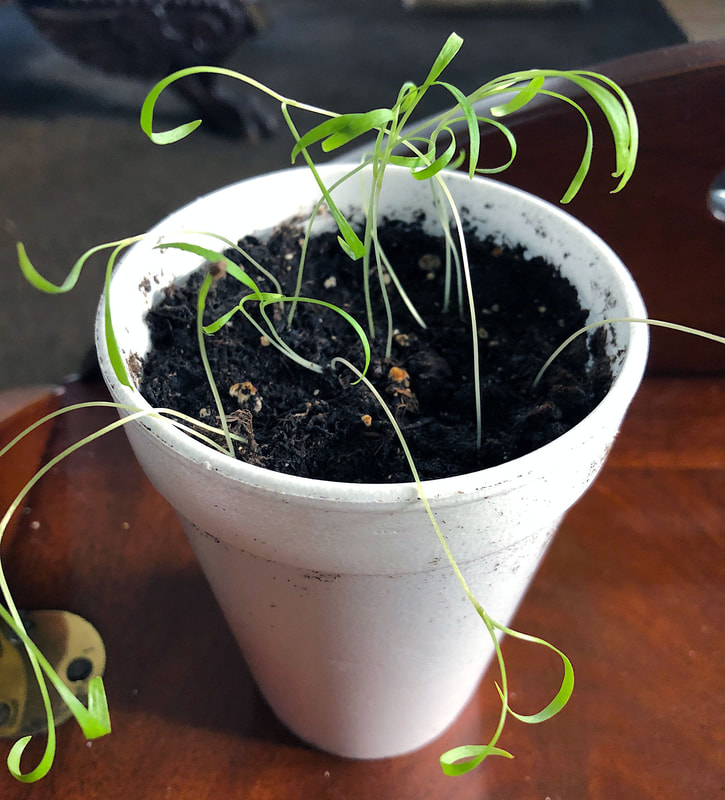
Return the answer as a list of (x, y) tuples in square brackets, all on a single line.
[(631, 590)]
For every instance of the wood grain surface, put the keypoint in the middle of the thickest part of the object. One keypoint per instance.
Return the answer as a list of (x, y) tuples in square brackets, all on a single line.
[(631, 589)]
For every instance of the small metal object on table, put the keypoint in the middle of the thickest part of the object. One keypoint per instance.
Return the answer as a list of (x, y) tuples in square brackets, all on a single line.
[(75, 650)]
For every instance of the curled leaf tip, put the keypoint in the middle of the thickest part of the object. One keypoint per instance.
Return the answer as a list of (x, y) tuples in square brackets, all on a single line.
[(173, 135), (463, 759)]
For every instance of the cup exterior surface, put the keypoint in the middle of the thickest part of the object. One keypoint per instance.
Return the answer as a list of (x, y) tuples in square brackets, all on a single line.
[(340, 595)]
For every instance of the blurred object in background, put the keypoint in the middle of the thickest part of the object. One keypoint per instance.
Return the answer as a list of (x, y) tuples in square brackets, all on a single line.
[(149, 39), (450, 5), (76, 170)]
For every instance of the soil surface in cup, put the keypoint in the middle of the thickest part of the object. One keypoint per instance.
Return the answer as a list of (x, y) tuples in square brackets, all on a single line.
[(323, 425)]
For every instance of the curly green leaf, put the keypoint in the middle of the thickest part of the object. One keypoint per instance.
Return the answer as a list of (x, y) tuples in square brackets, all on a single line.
[(339, 131)]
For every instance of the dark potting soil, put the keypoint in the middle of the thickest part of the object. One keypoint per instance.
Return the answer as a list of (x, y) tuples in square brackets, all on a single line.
[(322, 425)]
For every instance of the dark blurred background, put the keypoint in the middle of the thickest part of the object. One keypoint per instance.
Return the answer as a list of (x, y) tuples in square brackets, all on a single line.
[(76, 170)]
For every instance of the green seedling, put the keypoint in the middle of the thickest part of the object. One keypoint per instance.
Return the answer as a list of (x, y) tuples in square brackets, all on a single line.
[(654, 323), (94, 719), (263, 299), (396, 142), (427, 150), (463, 759)]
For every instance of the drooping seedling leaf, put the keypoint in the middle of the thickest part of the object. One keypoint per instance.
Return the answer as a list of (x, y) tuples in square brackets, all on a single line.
[(437, 164), (44, 285), (342, 130), (611, 99), (471, 120), (466, 757), (655, 323), (214, 256), (522, 96), (566, 689), (463, 759), (93, 718), (263, 298)]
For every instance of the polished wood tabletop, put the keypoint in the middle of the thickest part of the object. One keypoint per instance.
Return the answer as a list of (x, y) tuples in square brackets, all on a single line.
[(631, 589)]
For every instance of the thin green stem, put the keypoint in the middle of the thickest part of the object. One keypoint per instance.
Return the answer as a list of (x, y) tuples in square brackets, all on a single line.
[(308, 234), (475, 754), (200, 307), (471, 308), (656, 323), (94, 720)]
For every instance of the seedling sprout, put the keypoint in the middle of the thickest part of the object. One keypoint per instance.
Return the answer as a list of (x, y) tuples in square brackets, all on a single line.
[(427, 151)]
